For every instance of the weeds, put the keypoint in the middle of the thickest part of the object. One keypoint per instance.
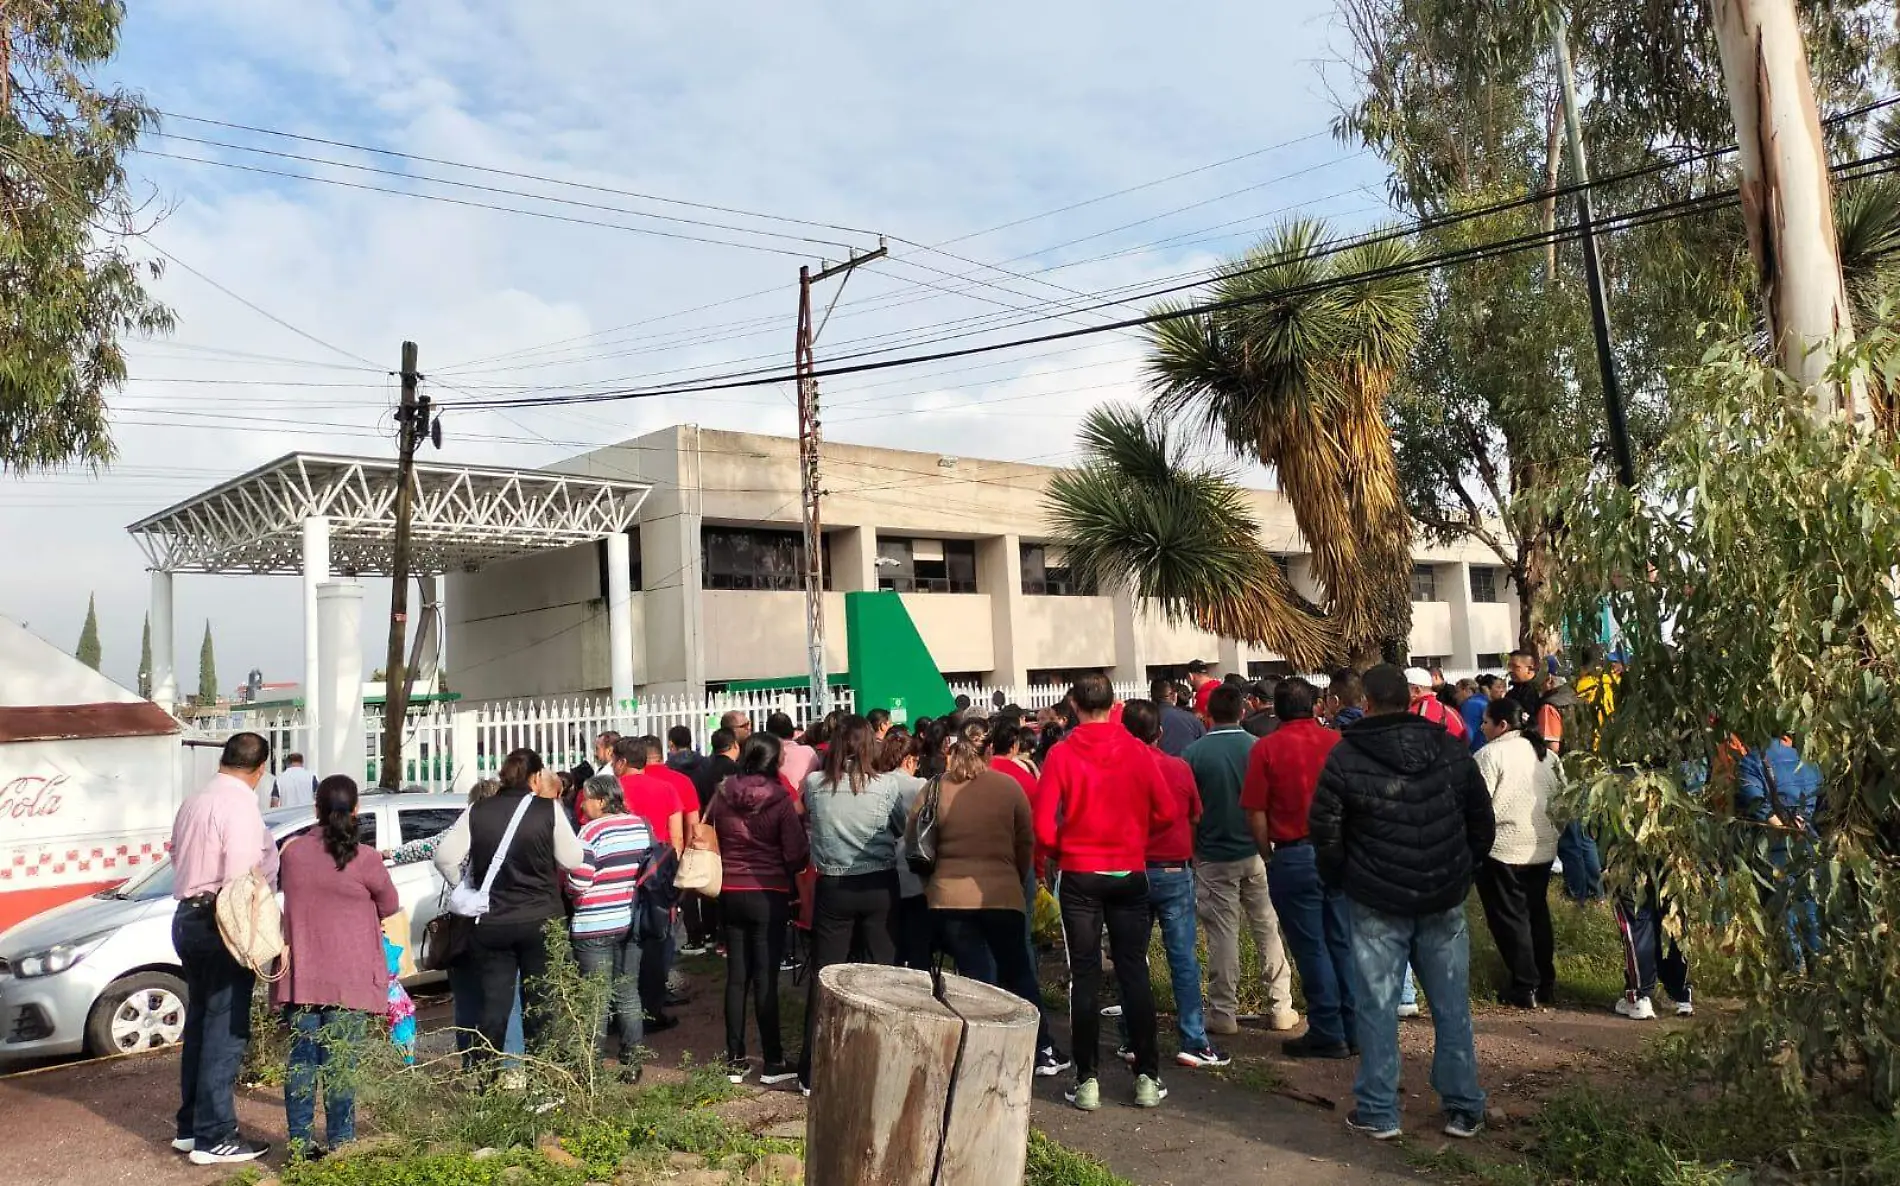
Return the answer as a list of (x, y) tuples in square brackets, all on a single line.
[(1051, 1164)]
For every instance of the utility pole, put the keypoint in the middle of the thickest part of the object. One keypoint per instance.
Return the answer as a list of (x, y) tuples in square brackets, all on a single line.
[(810, 486), (412, 425), (1592, 266), (1787, 202)]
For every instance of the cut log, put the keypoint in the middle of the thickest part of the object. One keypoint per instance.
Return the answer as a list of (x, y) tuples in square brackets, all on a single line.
[(908, 1090)]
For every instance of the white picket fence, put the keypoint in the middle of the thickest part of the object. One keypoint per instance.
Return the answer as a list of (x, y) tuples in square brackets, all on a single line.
[(451, 745)]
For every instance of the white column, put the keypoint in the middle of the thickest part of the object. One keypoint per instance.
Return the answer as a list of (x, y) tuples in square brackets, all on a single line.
[(164, 662), (463, 742), (1464, 655), (316, 570), (999, 574), (620, 625), (1131, 663), (341, 743)]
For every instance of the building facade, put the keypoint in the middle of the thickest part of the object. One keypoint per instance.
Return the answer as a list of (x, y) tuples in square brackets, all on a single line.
[(717, 595)]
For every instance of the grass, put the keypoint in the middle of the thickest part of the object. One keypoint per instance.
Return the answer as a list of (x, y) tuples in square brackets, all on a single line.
[(1253, 1074), (1643, 1135), (1051, 1164)]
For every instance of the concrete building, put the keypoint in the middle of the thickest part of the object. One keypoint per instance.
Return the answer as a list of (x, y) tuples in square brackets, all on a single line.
[(716, 569)]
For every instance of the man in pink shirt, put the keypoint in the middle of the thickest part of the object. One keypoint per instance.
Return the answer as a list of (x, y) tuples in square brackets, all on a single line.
[(796, 760), (217, 837)]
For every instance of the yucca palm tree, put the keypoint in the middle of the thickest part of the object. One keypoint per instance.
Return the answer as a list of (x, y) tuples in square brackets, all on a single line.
[(1289, 368)]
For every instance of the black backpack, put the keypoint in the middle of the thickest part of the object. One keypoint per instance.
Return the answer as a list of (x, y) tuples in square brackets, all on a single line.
[(655, 896)]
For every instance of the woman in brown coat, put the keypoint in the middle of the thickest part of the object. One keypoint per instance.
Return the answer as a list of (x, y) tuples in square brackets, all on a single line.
[(985, 850)]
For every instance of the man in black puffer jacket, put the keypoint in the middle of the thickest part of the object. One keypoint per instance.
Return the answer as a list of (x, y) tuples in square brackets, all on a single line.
[(1400, 820)]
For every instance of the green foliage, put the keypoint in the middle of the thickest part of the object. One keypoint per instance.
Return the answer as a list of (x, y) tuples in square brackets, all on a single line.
[(1051, 1164), (208, 670), (69, 287), (145, 659), (88, 650), (514, 1167), (1753, 577)]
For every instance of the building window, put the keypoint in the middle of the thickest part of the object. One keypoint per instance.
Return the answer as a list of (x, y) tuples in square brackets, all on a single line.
[(1484, 585), (926, 565), (1424, 582), (1285, 564), (1046, 574), (633, 548), (1494, 661), (755, 558), (1258, 669), (1428, 662), (1060, 677)]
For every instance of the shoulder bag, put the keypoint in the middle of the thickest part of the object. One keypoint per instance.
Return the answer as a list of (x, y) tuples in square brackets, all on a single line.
[(921, 847), (252, 925), (700, 869)]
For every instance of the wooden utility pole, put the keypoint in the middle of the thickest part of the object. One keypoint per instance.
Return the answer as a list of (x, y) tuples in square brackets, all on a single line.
[(1592, 265), (1787, 200), (809, 439), (412, 424)]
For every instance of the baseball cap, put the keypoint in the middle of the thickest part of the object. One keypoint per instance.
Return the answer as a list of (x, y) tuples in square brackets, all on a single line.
[(1418, 677)]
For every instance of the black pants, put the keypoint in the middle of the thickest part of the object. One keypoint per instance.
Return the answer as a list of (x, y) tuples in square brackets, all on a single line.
[(1648, 951), (1517, 909), (700, 914), (503, 952), (987, 943), (848, 913), (1089, 901), (217, 1027), (755, 943), (916, 938)]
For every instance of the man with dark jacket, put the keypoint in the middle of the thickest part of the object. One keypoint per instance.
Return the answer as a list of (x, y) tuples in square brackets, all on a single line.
[(1179, 727), (1400, 820), (1259, 719)]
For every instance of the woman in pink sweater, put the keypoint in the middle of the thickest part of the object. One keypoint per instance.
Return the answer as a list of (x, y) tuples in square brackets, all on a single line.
[(336, 894)]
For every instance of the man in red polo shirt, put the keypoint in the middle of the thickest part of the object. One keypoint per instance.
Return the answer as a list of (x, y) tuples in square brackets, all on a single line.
[(1203, 686), (655, 801), (683, 789), (1282, 773)]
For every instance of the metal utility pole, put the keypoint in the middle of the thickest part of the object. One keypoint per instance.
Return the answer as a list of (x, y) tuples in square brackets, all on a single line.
[(412, 425), (804, 365), (1592, 266)]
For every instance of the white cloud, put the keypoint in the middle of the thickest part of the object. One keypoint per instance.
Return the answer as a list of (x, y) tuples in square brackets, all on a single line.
[(926, 122)]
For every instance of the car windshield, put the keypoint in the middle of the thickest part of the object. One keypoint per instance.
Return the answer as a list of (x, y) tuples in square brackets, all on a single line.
[(148, 886)]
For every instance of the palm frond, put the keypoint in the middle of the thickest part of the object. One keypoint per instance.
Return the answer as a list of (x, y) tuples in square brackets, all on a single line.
[(1867, 232)]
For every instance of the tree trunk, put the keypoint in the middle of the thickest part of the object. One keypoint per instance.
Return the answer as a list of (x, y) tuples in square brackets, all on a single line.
[(1786, 200), (908, 1090)]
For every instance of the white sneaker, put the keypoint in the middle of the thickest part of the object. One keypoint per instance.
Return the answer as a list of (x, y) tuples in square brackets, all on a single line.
[(1410, 1010), (1685, 1008), (1111, 1010), (1636, 1008)]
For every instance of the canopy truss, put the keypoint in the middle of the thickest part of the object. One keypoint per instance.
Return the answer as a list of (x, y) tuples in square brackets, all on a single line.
[(464, 517)]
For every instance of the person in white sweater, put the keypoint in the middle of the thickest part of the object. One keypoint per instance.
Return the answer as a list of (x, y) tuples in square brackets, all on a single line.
[(1513, 881)]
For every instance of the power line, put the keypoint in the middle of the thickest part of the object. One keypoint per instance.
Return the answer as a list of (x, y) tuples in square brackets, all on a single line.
[(492, 189), (523, 176), (1679, 208)]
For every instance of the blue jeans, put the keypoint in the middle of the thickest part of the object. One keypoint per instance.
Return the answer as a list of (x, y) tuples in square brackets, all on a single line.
[(1318, 929), (325, 1039), (1583, 865), (991, 939), (1408, 987), (465, 991), (1171, 895), (1439, 947), (617, 958), (217, 1027)]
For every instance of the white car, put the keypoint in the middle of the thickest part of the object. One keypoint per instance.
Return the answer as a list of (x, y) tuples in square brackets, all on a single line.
[(98, 976)]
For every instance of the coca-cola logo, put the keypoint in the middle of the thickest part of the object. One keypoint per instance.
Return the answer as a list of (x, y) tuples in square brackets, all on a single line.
[(31, 796)]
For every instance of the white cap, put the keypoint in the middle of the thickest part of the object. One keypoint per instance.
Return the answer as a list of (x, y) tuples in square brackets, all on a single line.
[(1418, 677)]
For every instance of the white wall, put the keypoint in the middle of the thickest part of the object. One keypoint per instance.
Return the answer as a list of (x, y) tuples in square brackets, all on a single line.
[(761, 635), (1493, 628), (1061, 632), (1431, 628), (956, 628), (530, 627)]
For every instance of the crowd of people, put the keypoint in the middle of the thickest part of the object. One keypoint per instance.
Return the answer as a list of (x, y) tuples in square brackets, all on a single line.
[(1343, 828)]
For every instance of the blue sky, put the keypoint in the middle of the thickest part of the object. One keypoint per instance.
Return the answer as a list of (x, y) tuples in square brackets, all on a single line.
[(925, 122)]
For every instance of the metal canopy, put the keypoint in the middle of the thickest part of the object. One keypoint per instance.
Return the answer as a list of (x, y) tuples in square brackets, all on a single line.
[(464, 517)]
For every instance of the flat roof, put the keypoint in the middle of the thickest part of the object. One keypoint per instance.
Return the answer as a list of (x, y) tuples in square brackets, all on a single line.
[(464, 516)]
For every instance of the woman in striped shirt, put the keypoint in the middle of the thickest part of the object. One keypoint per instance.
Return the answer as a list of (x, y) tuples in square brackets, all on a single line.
[(614, 844)]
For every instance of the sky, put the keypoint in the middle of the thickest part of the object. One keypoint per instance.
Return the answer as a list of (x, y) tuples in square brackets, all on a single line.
[(990, 143)]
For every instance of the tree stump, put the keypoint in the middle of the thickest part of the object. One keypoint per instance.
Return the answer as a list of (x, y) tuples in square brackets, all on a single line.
[(908, 1090)]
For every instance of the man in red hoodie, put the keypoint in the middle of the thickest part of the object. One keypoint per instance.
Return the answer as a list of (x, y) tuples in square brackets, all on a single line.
[(1100, 798)]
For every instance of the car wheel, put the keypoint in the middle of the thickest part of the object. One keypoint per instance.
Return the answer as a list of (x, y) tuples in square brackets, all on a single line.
[(143, 1011)]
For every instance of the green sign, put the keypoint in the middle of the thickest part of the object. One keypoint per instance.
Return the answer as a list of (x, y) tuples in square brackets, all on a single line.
[(899, 714)]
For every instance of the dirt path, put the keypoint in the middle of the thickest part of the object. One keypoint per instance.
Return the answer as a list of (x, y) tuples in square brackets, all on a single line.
[(108, 1123)]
